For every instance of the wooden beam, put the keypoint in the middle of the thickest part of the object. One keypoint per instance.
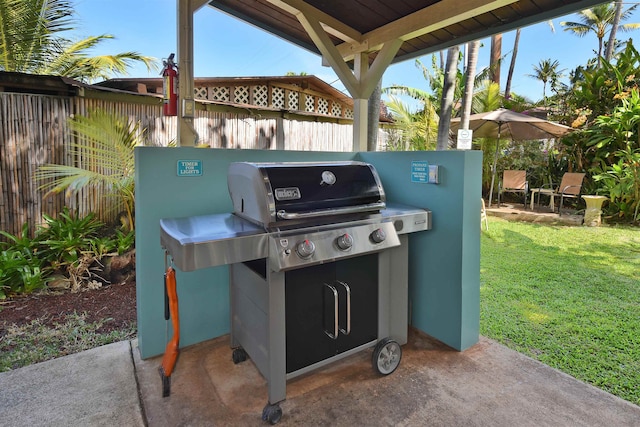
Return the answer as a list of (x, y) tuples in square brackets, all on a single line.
[(330, 53), (329, 23), (379, 66), (424, 21)]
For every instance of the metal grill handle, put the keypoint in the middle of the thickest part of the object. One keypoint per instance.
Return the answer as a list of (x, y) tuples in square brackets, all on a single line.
[(282, 214), (347, 331), (335, 313)]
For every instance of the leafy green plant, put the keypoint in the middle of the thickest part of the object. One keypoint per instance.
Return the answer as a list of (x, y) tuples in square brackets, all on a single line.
[(615, 137), (66, 248), (124, 241), (621, 182), (106, 141), (20, 267), (20, 272), (64, 239)]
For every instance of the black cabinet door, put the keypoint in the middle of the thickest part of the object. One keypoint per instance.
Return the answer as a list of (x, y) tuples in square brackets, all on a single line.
[(361, 275), (306, 304), (312, 296)]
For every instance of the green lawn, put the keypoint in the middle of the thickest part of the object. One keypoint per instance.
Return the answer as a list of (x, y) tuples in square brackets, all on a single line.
[(566, 296)]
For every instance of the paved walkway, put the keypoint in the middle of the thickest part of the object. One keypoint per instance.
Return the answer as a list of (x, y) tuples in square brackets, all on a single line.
[(517, 212), (486, 385)]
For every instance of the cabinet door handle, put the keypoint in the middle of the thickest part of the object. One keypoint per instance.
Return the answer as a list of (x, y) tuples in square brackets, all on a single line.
[(347, 330), (333, 335)]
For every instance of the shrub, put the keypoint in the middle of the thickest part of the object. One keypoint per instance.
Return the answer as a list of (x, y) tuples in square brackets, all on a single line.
[(67, 246)]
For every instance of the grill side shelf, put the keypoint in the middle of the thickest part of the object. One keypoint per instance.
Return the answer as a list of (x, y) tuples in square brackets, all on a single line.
[(212, 240)]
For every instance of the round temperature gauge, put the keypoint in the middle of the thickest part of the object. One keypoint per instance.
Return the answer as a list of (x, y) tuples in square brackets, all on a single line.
[(328, 178)]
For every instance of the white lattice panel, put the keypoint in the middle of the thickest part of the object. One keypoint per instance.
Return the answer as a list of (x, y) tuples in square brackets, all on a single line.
[(277, 97), (336, 110), (200, 92), (293, 101), (348, 113), (219, 93), (309, 104), (323, 106), (241, 94), (261, 95)]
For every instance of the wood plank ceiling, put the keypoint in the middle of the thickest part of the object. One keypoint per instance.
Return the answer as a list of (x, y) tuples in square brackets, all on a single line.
[(424, 26)]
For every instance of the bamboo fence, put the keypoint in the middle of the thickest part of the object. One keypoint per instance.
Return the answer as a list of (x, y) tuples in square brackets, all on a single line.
[(34, 132)]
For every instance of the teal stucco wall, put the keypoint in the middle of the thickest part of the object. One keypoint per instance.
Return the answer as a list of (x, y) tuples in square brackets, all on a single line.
[(444, 263)]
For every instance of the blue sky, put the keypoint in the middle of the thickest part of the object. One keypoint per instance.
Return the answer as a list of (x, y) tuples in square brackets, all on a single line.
[(226, 47)]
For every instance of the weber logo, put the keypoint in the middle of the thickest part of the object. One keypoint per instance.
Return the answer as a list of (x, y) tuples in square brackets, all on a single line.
[(290, 193)]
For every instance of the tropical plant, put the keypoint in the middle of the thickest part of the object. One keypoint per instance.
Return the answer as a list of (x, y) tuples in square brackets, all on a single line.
[(20, 267), (598, 93), (64, 239), (107, 140), (20, 272), (616, 139), (546, 71), (124, 241), (32, 41), (600, 20), (419, 130)]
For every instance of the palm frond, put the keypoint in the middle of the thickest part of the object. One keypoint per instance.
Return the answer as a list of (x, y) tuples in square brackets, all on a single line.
[(104, 156)]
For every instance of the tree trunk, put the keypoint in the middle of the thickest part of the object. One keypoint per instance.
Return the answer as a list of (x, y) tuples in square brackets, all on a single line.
[(446, 104), (496, 54), (373, 118), (612, 34), (472, 62), (512, 65)]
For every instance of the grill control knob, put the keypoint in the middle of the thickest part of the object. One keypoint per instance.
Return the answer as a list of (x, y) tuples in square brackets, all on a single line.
[(305, 249), (344, 242), (378, 236)]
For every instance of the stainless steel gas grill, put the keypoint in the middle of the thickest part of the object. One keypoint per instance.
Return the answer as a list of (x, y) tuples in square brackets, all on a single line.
[(318, 266)]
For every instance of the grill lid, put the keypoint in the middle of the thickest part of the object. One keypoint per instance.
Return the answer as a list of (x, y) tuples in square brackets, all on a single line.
[(268, 193)]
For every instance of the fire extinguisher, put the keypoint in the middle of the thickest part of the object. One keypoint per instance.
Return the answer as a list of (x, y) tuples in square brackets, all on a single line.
[(170, 87)]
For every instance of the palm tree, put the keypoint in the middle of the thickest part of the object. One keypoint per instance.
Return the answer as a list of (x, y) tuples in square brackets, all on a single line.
[(599, 20), (512, 65), (419, 130), (32, 41), (612, 34), (546, 71), (446, 104), (496, 57), (472, 62), (104, 151)]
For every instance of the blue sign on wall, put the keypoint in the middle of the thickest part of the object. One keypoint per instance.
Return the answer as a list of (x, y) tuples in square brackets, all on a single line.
[(424, 173), (189, 167), (420, 172)]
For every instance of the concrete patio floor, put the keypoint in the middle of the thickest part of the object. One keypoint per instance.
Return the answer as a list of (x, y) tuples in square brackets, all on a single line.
[(486, 385)]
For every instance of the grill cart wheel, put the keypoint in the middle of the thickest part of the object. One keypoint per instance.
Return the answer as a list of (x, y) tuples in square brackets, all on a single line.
[(272, 413), (386, 356), (239, 355)]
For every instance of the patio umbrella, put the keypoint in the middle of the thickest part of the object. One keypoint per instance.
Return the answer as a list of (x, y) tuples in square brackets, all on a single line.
[(506, 123)]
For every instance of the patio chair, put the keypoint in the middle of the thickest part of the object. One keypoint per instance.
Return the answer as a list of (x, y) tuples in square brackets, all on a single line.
[(569, 187), (514, 181)]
